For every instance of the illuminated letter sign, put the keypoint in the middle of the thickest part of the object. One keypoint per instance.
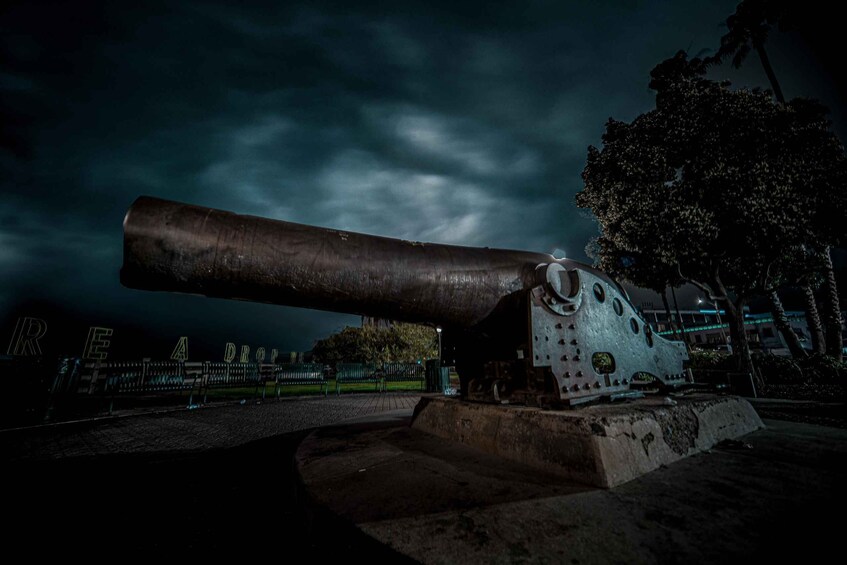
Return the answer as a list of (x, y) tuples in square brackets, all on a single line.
[(95, 344), (180, 352), (260, 354), (229, 352), (274, 355), (245, 354), (25, 339)]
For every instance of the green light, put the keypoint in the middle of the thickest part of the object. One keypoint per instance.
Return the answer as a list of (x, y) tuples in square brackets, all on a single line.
[(719, 326)]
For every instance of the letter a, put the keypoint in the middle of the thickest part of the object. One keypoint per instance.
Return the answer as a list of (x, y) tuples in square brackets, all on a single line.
[(180, 352)]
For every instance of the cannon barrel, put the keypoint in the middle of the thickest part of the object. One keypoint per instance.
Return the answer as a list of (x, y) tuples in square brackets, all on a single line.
[(171, 246)]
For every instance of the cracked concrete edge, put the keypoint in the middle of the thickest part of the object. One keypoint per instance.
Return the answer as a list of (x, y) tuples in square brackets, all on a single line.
[(670, 434), (605, 446)]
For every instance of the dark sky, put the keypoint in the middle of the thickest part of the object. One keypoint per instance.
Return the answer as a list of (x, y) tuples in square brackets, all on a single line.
[(465, 125)]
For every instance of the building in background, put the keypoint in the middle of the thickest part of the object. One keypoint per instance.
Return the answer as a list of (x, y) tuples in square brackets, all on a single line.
[(380, 323), (708, 329)]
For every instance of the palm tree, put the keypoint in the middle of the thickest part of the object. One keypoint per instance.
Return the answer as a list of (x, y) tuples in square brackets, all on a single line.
[(748, 29), (834, 345)]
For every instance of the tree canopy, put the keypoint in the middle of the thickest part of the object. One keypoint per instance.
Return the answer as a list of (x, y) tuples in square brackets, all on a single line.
[(372, 344), (748, 28), (719, 185)]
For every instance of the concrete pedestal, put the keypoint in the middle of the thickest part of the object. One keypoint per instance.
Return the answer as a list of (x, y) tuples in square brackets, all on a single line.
[(601, 445)]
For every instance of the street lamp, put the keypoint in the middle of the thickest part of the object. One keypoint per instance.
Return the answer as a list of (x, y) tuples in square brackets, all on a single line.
[(718, 314), (438, 329)]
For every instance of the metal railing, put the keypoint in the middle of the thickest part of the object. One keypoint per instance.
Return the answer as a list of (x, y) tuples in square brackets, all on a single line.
[(81, 386)]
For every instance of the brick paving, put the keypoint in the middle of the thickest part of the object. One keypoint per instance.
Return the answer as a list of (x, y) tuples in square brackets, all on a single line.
[(210, 427)]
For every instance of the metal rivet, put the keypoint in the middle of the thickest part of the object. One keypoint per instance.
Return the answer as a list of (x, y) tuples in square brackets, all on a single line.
[(559, 326), (617, 382), (576, 357), (573, 342), (579, 373), (586, 386), (571, 326), (596, 384), (625, 381), (546, 338), (564, 357), (567, 374)]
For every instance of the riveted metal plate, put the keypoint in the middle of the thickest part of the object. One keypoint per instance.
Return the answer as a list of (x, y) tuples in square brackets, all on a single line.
[(604, 321)]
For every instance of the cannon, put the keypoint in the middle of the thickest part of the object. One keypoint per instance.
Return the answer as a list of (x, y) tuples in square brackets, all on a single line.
[(520, 327)]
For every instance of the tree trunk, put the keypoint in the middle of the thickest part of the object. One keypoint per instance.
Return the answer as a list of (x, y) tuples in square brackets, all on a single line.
[(766, 64), (740, 345), (668, 313), (833, 310), (679, 317), (735, 313), (781, 322), (813, 319)]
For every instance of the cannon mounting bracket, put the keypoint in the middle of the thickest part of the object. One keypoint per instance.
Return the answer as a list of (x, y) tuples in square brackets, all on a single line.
[(585, 341)]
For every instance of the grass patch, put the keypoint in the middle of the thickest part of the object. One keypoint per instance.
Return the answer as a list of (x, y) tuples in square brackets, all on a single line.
[(371, 387), (256, 392), (304, 390), (405, 385)]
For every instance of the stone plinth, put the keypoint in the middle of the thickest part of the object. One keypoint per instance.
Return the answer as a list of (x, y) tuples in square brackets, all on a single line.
[(601, 445)]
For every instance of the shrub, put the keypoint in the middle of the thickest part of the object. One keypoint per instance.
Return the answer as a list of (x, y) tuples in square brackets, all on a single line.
[(824, 369), (778, 370), (710, 360), (710, 366)]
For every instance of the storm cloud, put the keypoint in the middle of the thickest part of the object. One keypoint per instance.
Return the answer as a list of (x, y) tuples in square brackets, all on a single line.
[(454, 124)]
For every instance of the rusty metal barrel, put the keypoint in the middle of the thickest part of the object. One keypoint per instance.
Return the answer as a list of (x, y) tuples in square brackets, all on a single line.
[(170, 246)]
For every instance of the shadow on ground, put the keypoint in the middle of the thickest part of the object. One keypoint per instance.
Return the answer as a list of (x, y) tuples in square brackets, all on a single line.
[(244, 501), (778, 499)]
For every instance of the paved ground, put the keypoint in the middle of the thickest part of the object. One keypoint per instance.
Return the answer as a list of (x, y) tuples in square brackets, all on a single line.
[(185, 431), (222, 481), (830, 414), (774, 496), (203, 483)]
